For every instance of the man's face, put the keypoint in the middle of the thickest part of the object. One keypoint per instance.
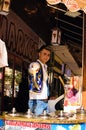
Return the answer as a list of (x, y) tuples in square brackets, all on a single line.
[(44, 56)]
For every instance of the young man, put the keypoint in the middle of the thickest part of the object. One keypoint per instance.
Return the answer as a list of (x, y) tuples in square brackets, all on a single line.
[(38, 82)]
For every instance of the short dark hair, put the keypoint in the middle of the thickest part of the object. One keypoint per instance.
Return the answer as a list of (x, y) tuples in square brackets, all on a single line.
[(47, 47)]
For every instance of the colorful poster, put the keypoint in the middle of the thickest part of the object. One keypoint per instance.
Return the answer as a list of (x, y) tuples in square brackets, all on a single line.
[(2, 126), (72, 100), (68, 127)]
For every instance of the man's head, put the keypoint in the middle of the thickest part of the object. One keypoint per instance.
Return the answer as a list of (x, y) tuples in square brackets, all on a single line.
[(44, 54)]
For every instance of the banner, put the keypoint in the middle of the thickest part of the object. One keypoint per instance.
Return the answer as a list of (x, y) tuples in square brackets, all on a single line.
[(21, 125)]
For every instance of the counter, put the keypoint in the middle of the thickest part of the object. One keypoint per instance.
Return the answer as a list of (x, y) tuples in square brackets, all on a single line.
[(51, 122), (2, 123)]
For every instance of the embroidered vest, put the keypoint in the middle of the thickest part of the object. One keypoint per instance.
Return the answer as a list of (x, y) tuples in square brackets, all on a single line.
[(37, 84)]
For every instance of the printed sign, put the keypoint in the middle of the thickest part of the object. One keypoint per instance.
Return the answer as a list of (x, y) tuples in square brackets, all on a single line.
[(21, 125)]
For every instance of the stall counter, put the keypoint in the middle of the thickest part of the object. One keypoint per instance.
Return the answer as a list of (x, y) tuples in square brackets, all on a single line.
[(51, 122)]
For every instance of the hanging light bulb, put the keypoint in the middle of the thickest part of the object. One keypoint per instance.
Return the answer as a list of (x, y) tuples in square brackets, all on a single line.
[(56, 36), (4, 7)]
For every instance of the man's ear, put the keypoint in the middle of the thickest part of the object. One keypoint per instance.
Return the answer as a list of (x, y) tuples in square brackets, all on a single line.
[(39, 54)]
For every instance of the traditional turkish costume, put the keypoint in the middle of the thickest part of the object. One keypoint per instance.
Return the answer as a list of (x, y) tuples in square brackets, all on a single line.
[(38, 87)]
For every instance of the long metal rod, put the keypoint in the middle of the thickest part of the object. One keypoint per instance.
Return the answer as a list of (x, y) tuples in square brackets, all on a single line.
[(83, 58), (56, 8), (71, 31), (72, 37), (68, 23), (83, 46)]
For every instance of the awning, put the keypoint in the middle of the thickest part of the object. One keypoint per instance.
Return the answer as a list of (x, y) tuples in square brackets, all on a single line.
[(64, 54), (72, 5)]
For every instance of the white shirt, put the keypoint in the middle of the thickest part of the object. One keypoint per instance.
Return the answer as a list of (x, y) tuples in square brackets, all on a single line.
[(3, 54)]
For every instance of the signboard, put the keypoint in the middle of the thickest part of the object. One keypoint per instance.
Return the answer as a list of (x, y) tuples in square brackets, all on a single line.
[(22, 125)]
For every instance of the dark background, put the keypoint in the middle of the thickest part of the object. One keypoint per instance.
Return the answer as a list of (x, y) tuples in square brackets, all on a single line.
[(42, 19)]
